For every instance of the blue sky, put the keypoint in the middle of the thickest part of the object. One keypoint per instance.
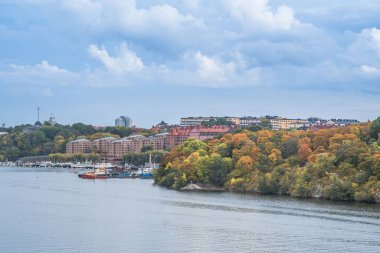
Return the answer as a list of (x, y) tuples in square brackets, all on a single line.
[(93, 60)]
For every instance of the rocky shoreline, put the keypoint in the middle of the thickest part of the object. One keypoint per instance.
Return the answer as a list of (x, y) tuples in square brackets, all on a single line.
[(202, 188)]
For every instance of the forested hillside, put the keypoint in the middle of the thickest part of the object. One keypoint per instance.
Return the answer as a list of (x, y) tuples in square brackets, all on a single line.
[(338, 164)]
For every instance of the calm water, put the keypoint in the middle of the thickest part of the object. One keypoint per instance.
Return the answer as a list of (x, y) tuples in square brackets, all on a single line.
[(52, 210)]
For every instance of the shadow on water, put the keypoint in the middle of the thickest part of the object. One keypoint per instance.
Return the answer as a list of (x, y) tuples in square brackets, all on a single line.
[(276, 212)]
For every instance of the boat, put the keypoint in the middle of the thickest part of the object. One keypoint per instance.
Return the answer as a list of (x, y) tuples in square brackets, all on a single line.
[(100, 173)]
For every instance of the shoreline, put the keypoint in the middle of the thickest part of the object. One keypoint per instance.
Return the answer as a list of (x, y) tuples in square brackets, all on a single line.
[(193, 187)]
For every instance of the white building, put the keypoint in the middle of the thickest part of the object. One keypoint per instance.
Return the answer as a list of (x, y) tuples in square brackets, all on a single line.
[(123, 121)]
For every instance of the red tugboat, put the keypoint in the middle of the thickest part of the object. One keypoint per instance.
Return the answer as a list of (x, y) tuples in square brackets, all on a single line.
[(96, 174)]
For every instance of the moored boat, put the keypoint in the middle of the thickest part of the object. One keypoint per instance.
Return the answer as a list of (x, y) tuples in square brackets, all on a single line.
[(96, 174)]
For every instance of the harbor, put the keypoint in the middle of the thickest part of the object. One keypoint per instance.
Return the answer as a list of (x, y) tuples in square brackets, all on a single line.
[(94, 170)]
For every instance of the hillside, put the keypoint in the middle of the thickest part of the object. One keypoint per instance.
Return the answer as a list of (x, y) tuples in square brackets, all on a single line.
[(337, 164)]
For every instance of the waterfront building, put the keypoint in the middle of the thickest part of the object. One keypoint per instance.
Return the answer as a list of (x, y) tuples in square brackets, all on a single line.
[(157, 142), (81, 146), (134, 144), (123, 121), (103, 145)]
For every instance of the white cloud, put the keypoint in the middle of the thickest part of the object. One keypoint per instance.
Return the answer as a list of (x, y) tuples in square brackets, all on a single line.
[(375, 37), (125, 16), (213, 69), (257, 13), (37, 79), (125, 61), (370, 69)]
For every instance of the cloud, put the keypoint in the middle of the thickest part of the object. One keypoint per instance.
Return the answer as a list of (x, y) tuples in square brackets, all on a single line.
[(42, 70), (257, 13), (125, 61), (370, 69), (366, 46), (213, 69), (214, 72), (125, 16), (36, 80)]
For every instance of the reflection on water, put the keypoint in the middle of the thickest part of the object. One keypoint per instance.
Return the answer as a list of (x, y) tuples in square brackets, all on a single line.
[(52, 210)]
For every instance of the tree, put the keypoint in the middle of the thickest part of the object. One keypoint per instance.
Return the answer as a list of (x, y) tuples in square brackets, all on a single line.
[(265, 124), (146, 148), (303, 153), (375, 129)]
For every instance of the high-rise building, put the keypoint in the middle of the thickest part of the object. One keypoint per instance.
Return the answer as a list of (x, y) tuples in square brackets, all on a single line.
[(123, 121)]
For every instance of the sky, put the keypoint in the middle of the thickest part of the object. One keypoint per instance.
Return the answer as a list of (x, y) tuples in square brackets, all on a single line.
[(91, 61)]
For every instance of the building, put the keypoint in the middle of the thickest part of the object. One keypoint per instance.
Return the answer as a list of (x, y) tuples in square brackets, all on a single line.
[(177, 136), (345, 122), (103, 145), (194, 121), (299, 125), (123, 121), (204, 133), (249, 121), (157, 142), (52, 120), (197, 121), (284, 124), (134, 144), (80, 146)]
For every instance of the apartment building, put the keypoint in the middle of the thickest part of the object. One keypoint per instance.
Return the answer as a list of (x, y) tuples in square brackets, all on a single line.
[(177, 136), (81, 146), (249, 121), (194, 121), (197, 121), (204, 133), (103, 145)]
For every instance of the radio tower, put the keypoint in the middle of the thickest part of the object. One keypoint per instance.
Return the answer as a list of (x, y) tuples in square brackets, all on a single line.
[(38, 114)]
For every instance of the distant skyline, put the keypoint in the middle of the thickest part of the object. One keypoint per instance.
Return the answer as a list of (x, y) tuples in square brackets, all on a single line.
[(91, 61)]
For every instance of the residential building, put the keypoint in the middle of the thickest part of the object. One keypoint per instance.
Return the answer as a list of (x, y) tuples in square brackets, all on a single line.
[(103, 145), (80, 146), (203, 133), (123, 121), (197, 121), (345, 122), (157, 142), (194, 121), (249, 121), (284, 124), (177, 136)]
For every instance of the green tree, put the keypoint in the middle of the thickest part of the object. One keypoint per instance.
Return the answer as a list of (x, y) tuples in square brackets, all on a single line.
[(375, 129)]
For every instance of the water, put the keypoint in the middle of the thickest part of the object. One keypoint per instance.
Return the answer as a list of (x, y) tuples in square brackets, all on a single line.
[(52, 210)]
